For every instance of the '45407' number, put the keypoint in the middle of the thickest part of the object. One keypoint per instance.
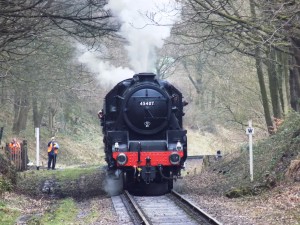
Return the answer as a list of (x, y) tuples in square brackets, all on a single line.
[(147, 103)]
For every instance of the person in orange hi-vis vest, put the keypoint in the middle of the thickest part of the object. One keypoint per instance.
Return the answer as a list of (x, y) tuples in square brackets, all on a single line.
[(52, 153), (14, 146), (15, 152)]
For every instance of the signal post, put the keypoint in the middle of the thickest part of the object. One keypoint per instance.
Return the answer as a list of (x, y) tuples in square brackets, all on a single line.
[(250, 132)]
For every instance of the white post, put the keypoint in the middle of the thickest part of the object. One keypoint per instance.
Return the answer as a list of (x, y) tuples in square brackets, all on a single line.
[(37, 135), (250, 132)]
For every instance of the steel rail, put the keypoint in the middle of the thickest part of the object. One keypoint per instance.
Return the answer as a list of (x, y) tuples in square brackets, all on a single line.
[(195, 157), (196, 209), (142, 217)]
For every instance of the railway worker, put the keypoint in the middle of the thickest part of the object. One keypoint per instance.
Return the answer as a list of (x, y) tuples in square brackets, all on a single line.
[(14, 146), (52, 153), (15, 152)]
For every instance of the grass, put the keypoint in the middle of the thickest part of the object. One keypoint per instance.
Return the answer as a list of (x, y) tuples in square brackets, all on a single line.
[(63, 213), (274, 154), (12, 207), (64, 174), (8, 215), (72, 173), (272, 157)]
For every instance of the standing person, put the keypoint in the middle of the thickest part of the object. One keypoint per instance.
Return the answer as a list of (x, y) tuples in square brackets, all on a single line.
[(52, 153), (15, 153), (14, 146)]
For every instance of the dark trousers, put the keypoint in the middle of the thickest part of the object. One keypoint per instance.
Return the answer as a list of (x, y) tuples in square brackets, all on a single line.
[(51, 159)]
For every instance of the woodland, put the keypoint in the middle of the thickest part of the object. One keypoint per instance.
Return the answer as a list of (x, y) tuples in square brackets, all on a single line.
[(233, 61), (239, 59)]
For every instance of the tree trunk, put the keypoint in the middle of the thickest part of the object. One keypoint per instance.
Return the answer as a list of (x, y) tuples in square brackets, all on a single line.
[(260, 74), (21, 108), (52, 112), (287, 83), (194, 83), (274, 84), (3, 92), (295, 75), (283, 83), (38, 113), (17, 102), (24, 112), (263, 91)]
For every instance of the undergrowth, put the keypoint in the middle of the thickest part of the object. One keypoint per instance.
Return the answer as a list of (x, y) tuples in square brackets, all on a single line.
[(7, 175), (271, 159)]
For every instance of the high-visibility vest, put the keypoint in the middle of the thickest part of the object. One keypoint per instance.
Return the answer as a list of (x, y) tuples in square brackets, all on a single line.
[(14, 147), (53, 146)]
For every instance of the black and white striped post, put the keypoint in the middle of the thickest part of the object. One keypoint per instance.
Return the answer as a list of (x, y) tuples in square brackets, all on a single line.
[(250, 132)]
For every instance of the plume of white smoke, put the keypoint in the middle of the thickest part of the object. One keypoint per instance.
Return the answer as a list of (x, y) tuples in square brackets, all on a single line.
[(145, 25), (104, 70)]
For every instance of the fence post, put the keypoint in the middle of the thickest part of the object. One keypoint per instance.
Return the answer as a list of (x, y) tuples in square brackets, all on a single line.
[(24, 156), (19, 159), (1, 133), (7, 151)]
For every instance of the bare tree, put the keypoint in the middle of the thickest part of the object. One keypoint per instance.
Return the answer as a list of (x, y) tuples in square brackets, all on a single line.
[(25, 21), (260, 29)]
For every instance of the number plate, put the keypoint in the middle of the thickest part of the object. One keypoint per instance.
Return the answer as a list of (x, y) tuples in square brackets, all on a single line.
[(147, 103)]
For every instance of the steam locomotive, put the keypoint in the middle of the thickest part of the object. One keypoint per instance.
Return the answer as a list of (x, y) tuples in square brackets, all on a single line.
[(142, 130)]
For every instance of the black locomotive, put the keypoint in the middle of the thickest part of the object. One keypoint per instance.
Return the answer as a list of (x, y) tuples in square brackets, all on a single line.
[(142, 129)]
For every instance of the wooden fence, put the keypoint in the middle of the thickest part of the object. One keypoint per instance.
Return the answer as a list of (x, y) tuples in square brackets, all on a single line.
[(18, 159)]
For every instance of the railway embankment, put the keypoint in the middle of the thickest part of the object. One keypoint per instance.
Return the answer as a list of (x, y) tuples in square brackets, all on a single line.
[(62, 183), (61, 196)]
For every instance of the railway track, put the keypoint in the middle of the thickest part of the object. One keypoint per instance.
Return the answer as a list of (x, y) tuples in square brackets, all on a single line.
[(163, 210)]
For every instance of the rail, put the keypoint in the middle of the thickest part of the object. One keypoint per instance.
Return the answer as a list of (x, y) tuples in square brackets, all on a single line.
[(196, 209), (138, 212), (195, 157)]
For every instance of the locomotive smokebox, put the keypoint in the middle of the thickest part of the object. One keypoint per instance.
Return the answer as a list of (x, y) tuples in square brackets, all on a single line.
[(144, 77)]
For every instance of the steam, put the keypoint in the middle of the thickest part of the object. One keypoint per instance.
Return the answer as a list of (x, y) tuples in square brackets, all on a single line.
[(104, 70), (145, 24), (113, 184)]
